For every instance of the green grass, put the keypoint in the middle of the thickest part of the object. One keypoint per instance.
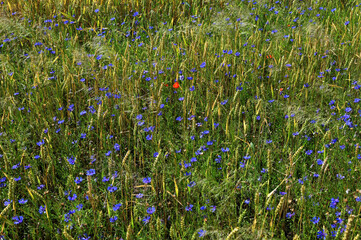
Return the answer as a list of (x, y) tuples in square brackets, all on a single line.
[(89, 85)]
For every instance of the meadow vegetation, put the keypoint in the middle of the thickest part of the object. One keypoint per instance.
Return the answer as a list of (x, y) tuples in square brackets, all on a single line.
[(167, 119)]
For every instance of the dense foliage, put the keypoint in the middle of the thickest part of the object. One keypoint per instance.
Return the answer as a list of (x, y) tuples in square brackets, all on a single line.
[(165, 119)]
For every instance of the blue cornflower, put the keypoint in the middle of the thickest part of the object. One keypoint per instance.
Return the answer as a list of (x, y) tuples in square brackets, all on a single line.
[(321, 234), (72, 198), (117, 206), (315, 220), (139, 195), (151, 210), (71, 160), (41, 209), (225, 149), (189, 207), (201, 233), (112, 188), (23, 201), (113, 219), (78, 180), (309, 152), (90, 172), (117, 147), (18, 219), (147, 180), (146, 219), (105, 179)]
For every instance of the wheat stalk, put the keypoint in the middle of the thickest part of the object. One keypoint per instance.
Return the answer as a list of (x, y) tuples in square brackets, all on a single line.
[(348, 227), (232, 233)]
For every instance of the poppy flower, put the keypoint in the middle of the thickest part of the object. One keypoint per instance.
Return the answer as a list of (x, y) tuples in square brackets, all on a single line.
[(281, 89), (176, 85)]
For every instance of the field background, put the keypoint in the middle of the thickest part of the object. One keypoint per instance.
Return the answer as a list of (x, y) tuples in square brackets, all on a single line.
[(174, 119)]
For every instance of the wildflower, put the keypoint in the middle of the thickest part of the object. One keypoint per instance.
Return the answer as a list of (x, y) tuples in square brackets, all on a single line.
[(113, 219), (321, 234), (23, 201), (151, 210), (116, 206), (72, 198), (189, 208), (176, 85), (315, 220), (201, 233), (41, 209), (18, 219), (78, 180), (147, 180), (90, 172), (146, 219), (112, 188)]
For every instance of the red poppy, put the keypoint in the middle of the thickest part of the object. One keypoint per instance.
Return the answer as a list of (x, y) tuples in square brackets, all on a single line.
[(176, 85), (166, 85)]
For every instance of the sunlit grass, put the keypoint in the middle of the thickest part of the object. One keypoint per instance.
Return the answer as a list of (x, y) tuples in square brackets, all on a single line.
[(180, 120)]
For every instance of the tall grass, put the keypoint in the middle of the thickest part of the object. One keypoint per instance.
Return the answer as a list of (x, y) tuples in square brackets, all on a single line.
[(180, 119)]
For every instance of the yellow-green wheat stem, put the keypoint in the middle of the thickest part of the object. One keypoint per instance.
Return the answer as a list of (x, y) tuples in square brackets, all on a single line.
[(348, 227), (241, 216), (232, 233), (277, 211), (129, 232), (67, 235), (5, 210)]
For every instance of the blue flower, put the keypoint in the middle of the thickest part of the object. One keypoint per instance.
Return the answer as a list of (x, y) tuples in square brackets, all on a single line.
[(18, 219), (72, 198), (90, 172), (117, 147), (189, 208), (147, 180), (112, 188), (41, 209), (117, 206), (321, 234), (113, 219), (201, 233), (146, 219), (151, 210), (23, 201), (315, 220)]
